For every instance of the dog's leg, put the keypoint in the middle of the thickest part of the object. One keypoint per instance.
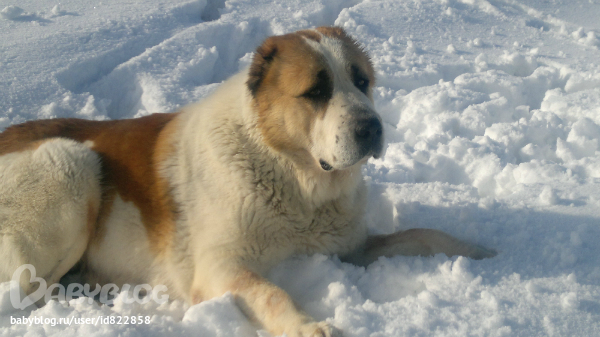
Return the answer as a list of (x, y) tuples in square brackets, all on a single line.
[(49, 199), (261, 301), (413, 242)]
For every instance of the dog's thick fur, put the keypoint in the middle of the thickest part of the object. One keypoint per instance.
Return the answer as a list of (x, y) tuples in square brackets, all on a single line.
[(206, 200)]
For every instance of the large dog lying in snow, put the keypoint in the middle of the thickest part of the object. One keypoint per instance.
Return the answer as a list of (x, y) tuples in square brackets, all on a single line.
[(206, 200)]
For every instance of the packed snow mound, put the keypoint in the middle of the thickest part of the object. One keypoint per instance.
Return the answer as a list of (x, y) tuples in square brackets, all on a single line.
[(11, 13), (492, 123)]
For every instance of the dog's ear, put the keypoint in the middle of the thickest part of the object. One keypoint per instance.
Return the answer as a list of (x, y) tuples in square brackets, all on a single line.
[(260, 63)]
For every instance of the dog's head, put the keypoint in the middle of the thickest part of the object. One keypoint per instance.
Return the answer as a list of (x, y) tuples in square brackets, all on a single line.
[(312, 90)]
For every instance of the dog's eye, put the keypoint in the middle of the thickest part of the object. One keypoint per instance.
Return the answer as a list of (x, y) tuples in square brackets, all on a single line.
[(316, 94), (322, 90), (313, 93), (360, 82)]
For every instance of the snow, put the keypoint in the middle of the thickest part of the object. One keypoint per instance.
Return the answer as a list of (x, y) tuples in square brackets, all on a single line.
[(492, 121)]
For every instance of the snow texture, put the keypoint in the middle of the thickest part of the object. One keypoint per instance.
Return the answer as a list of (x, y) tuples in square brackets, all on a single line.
[(492, 121)]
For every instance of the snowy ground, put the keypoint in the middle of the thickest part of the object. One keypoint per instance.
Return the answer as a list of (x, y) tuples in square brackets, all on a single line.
[(492, 112)]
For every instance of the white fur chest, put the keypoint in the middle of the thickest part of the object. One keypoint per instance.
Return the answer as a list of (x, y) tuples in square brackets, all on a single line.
[(244, 201)]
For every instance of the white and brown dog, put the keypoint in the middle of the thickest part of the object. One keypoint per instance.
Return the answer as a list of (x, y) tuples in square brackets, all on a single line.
[(206, 200)]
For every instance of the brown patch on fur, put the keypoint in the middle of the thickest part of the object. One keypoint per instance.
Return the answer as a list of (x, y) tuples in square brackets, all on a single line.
[(335, 32), (129, 150), (8, 146)]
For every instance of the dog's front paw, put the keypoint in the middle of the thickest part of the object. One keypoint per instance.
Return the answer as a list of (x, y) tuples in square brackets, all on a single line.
[(318, 329)]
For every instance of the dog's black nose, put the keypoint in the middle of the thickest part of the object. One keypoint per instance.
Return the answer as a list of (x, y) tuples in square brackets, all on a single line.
[(368, 134)]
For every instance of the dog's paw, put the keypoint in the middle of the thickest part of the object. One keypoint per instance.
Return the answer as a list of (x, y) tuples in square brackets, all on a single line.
[(318, 329)]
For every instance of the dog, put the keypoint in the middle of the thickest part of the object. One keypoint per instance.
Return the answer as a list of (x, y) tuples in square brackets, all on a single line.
[(206, 200)]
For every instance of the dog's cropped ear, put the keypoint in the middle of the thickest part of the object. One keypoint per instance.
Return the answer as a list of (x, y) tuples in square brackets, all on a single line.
[(260, 63)]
